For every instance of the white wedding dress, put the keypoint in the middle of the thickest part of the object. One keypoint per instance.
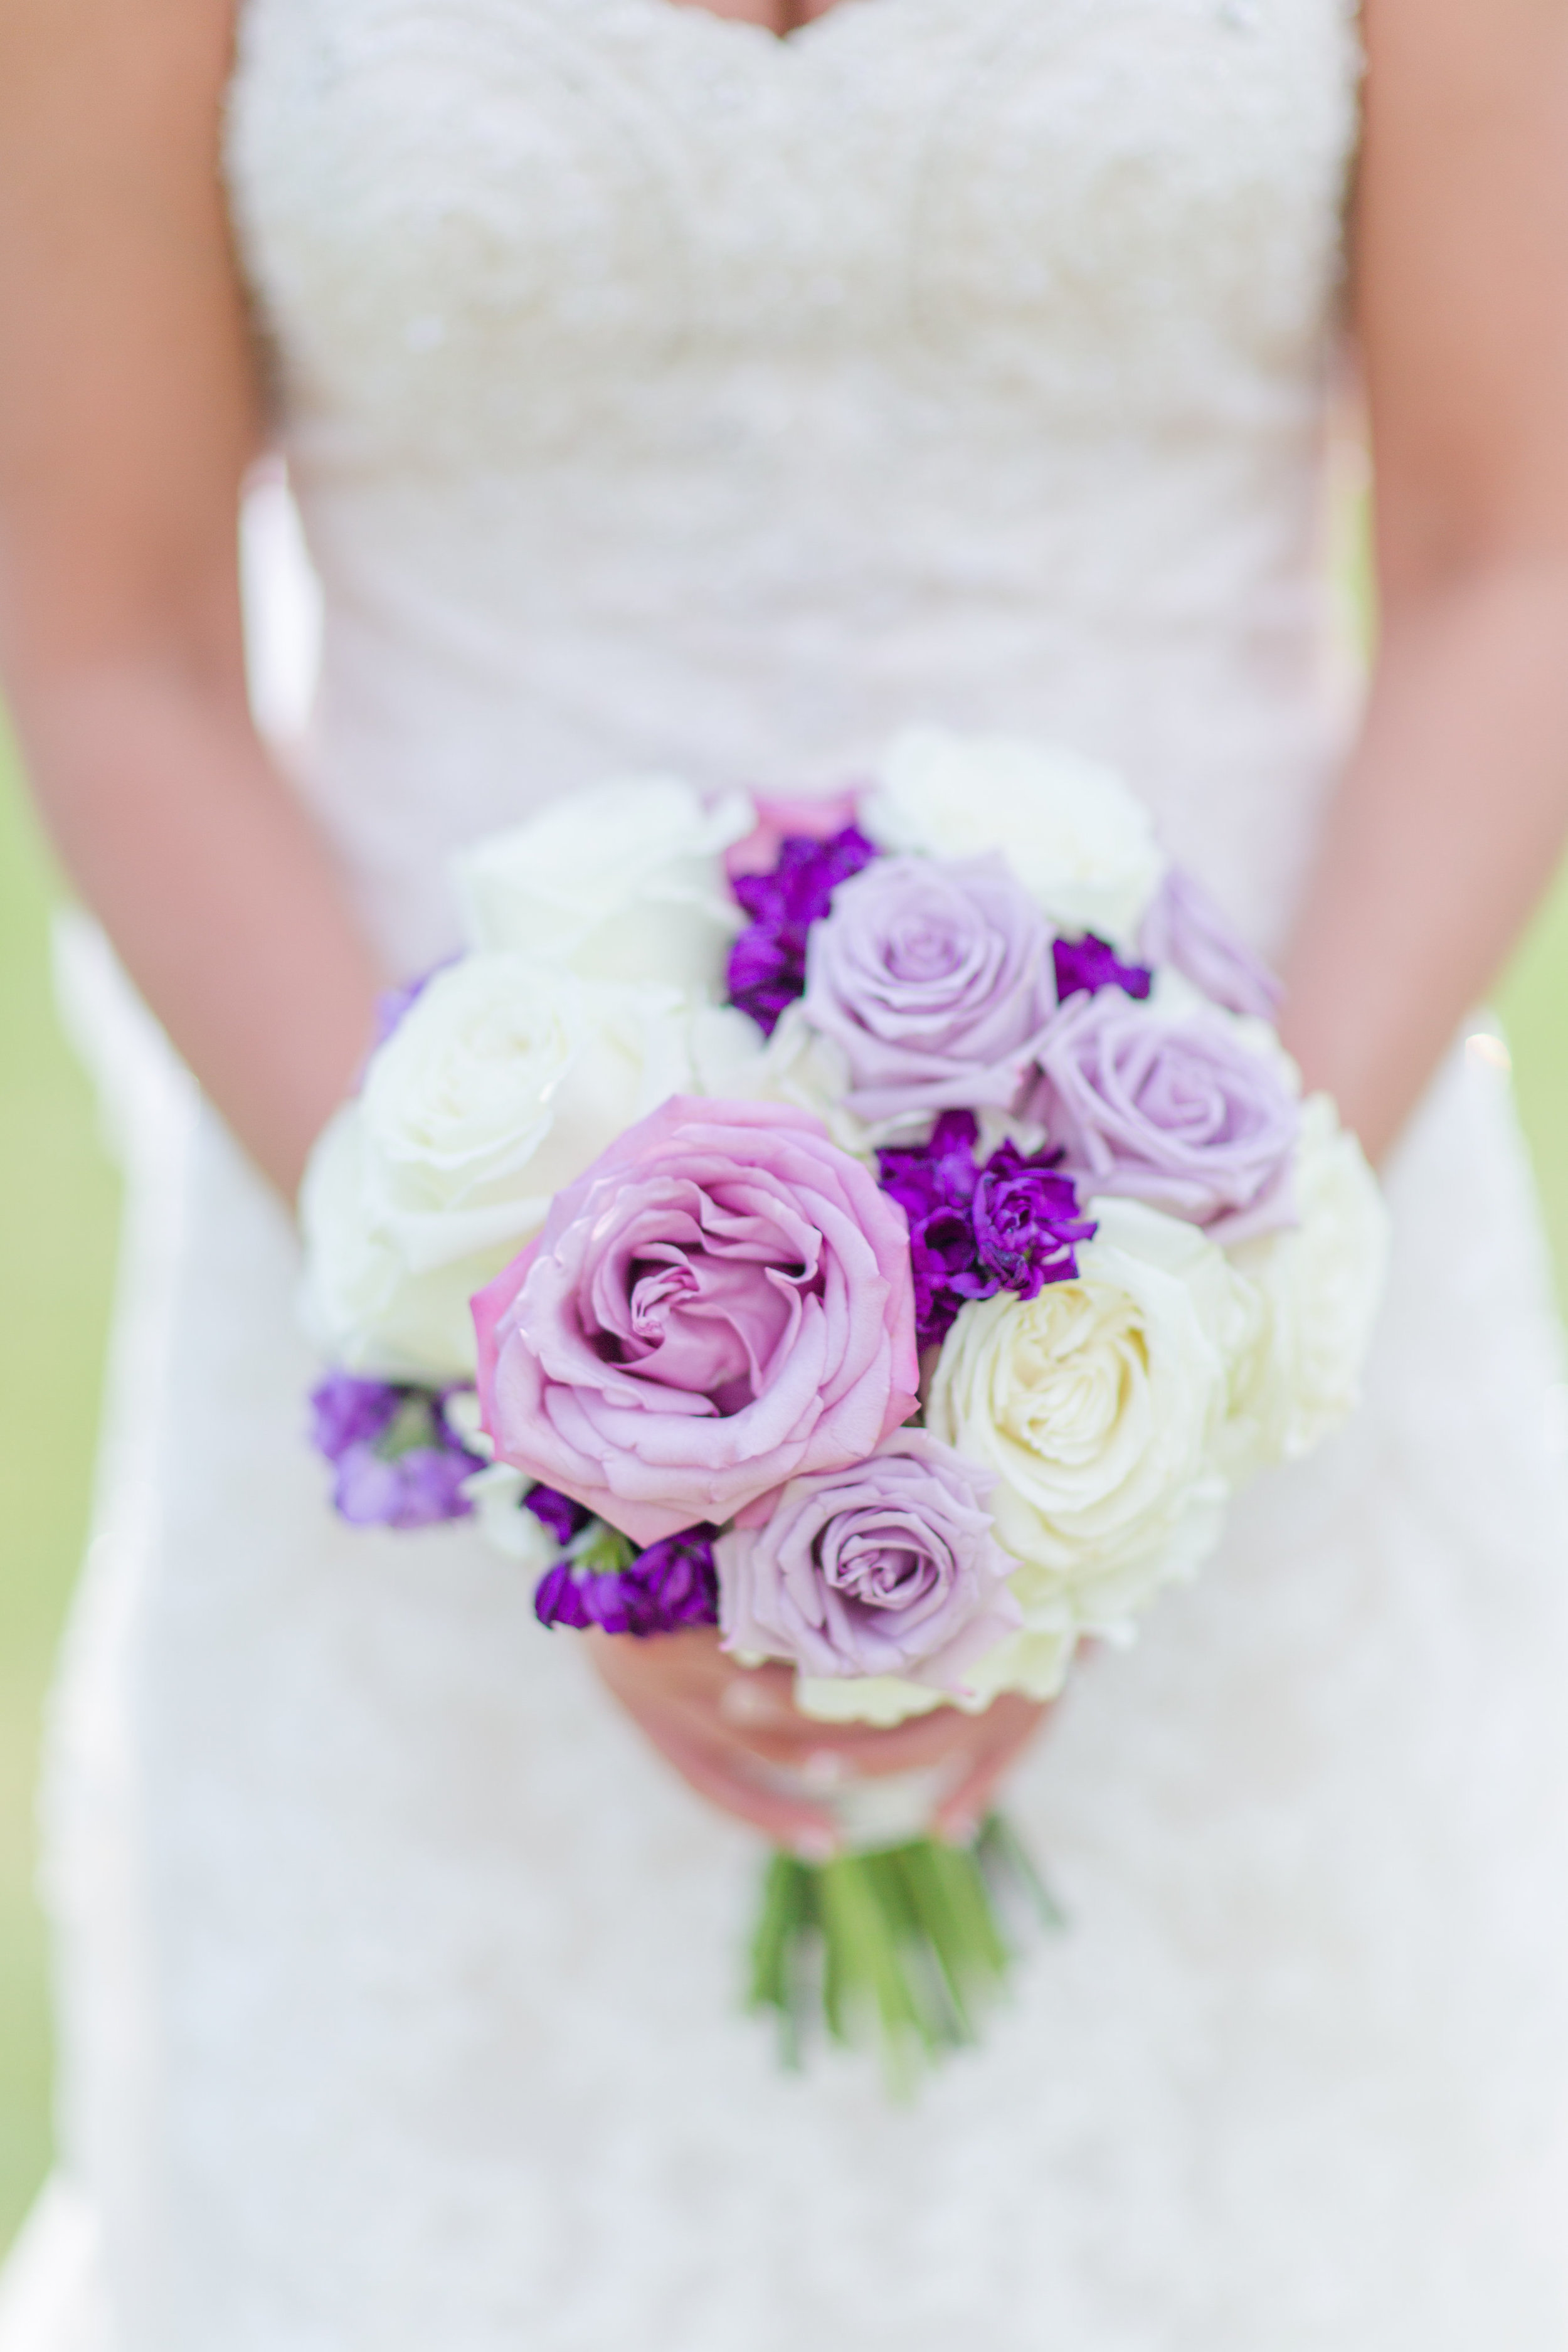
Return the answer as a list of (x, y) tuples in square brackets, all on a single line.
[(660, 394)]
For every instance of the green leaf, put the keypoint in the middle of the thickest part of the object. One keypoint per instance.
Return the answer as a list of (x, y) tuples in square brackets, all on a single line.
[(1010, 1871), (411, 1428), (601, 1550)]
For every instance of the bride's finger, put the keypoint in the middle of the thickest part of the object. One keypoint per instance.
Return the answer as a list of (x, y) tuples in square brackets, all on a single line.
[(748, 1702), (714, 1773), (856, 1751), (960, 1812), (867, 1748), (689, 1668)]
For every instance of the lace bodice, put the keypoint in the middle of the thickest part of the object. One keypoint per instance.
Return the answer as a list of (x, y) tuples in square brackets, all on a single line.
[(657, 391)]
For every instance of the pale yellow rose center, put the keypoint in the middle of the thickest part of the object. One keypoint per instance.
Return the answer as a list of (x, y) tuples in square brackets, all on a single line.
[(1063, 1387)]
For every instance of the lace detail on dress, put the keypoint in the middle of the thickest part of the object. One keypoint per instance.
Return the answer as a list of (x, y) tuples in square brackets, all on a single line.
[(488, 228), (659, 392)]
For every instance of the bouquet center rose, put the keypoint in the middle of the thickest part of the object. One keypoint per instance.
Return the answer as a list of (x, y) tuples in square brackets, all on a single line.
[(721, 1302)]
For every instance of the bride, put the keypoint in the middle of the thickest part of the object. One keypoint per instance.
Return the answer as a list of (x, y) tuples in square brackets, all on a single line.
[(718, 388)]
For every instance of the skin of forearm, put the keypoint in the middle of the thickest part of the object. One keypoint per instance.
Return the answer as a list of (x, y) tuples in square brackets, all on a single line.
[(217, 889), (1446, 828)]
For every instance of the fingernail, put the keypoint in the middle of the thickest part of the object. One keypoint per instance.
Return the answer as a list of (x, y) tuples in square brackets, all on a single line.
[(815, 1846), (823, 1770)]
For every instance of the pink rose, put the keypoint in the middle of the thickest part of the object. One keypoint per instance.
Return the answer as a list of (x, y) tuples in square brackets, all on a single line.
[(722, 1301), (800, 816)]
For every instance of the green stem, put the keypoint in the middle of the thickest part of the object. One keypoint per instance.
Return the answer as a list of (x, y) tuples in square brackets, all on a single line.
[(900, 1949)]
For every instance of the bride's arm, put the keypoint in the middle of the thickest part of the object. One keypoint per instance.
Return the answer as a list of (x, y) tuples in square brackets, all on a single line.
[(1453, 808), (128, 413)]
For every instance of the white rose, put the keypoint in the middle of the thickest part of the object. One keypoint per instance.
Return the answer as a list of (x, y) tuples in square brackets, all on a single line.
[(503, 1083), (500, 1084), (1319, 1284), (497, 1492), (1079, 842), (363, 1307), (496, 1495), (881, 1699), (463, 1416), (1034, 1663), (1098, 1404), (625, 882), (800, 1066), (727, 1054)]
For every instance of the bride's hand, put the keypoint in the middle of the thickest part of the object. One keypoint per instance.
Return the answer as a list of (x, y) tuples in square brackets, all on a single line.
[(730, 1731)]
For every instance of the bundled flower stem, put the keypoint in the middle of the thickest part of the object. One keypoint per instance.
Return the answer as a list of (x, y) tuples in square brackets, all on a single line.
[(901, 1948)]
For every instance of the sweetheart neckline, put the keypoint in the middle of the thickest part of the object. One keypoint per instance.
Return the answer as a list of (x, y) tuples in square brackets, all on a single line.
[(796, 38)]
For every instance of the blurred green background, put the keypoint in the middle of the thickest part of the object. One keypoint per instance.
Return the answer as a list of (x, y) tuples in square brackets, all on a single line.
[(58, 1206), (58, 1203)]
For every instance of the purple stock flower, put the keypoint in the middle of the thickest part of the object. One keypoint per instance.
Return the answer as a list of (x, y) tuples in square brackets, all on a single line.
[(1186, 929), (399, 1464), (934, 1184), (678, 1583), (566, 1596), (1013, 1225), (669, 1586), (1086, 966), (1026, 1223), (421, 1489), (346, 1411), (937, 1174), (557, 1512), (767, 973), (767, 962)]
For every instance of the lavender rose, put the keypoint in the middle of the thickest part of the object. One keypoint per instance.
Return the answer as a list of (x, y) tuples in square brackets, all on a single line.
[(721, 1302), (935, 980), (1179, 1112), (1184, 928), (888, 1568)]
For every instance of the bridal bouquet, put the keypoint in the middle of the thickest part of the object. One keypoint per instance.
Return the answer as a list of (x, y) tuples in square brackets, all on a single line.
[(885, 1227)]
